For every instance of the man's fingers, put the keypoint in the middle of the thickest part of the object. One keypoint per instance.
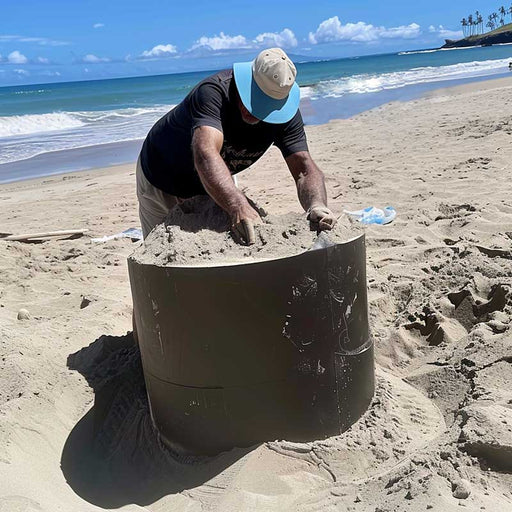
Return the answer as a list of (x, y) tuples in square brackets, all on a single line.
[(250, 235), (322, 218), (327, 223), (245, 231)]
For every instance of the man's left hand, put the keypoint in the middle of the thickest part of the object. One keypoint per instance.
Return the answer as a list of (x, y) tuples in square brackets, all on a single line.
[(322, 217)]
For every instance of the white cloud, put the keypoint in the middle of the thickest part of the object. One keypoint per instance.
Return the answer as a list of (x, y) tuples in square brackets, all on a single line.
[(410, 31), (93, 59), (98, 25), (331, 30), (42, 60), (16, 57), (445, 33), (22, 72), (43, 41), (160, 51), (284, 39), (222, 42)]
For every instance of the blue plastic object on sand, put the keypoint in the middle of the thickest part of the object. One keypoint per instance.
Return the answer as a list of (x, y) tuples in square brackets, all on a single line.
[(372, 215)]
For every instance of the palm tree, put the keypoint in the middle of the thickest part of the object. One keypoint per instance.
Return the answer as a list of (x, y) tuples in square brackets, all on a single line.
[(477, 22), (490, 22), (470, 23), (464, 24), (510, 12), (481, 23), (503, 13)]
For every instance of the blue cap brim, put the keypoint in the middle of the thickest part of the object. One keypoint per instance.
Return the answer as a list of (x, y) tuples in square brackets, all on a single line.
[(258, 103)]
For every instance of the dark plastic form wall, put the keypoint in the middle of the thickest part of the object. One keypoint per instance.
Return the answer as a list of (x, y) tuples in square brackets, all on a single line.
[(236, 355)]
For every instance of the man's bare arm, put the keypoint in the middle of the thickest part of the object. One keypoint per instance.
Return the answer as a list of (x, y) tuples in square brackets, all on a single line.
[(311, 188), (218, 182), (308, 178)]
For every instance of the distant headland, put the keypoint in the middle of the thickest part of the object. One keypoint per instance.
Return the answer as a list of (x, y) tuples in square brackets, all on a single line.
[(499, 36), (499, 32)]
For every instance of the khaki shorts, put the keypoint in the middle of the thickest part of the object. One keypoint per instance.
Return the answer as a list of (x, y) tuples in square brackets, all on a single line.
[(154, 205)]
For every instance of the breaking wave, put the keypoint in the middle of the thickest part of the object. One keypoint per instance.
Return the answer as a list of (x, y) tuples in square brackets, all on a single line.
[(370, 83), (37, 123), (21, 135)]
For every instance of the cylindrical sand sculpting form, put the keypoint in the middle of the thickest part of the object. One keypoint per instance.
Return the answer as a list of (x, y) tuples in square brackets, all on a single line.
[(236, 354)]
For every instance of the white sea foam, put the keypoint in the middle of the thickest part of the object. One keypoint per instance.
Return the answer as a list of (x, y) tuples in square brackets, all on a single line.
[(435, 50), (20, 136), (36, 91), (37, 123), (416, 52), (371, 83)]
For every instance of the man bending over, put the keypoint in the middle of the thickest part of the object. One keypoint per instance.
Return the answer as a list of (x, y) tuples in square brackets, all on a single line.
[(222, 127)]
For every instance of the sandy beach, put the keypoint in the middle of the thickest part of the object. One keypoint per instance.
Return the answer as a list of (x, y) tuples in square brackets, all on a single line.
[(75, 432)]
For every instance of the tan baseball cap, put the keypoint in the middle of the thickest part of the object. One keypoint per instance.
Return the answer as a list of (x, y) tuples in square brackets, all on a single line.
[(267, 86), (274, 73)]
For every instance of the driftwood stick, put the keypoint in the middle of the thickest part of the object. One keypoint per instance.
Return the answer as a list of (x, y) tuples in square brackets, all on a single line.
[(44, 234)]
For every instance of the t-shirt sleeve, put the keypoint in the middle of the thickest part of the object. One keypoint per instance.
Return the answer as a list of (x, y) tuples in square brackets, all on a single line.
[(206, 106), (291, 137)]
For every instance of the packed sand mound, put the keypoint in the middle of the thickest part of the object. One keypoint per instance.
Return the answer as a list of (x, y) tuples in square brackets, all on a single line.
[(197, 232)]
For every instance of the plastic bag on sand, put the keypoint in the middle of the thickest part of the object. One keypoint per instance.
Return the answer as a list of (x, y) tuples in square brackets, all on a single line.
[(372, 215), (133, 233)]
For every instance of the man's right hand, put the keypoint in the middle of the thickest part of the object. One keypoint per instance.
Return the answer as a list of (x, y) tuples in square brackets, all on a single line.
[(321, 217), (243, 220)]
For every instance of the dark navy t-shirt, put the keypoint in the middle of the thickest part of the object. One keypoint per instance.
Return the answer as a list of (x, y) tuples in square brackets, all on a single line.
[(166, 155)]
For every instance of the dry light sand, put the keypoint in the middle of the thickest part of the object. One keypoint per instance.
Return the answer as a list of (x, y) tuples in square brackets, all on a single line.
[(75, 433)]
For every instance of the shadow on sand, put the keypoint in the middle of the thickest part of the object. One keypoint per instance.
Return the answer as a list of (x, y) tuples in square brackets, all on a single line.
[(114, 456)]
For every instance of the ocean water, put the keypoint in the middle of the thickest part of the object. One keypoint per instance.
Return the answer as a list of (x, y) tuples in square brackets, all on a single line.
[(51, 128)]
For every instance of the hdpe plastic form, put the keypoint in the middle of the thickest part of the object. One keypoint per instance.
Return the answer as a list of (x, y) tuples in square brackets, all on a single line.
[(236, 355)]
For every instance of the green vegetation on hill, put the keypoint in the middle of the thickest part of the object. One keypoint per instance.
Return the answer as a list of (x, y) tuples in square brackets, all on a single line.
[(499, 30), (504, 28)]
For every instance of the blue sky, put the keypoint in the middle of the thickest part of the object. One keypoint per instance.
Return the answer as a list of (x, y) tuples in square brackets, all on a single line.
[(49, 40)]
